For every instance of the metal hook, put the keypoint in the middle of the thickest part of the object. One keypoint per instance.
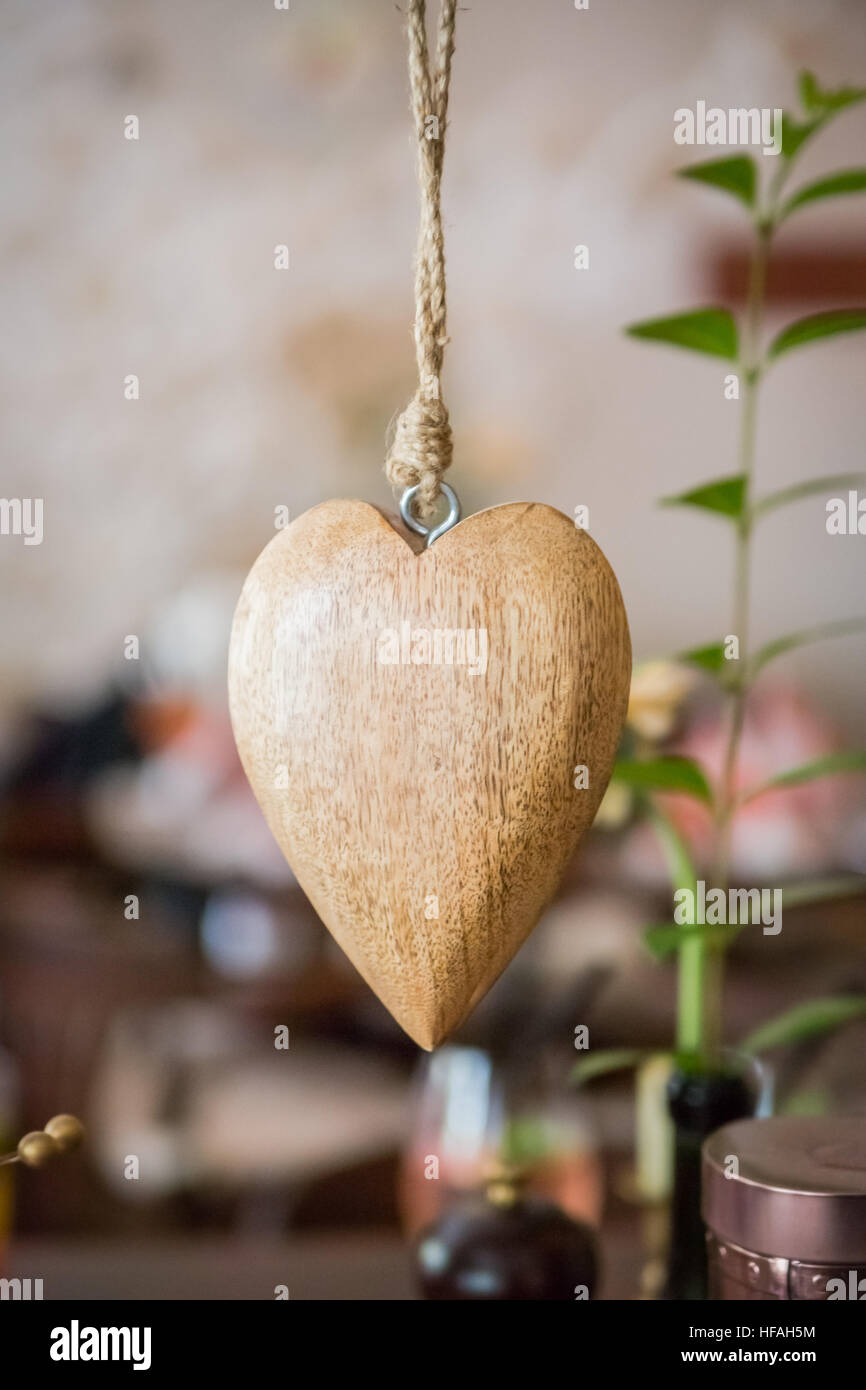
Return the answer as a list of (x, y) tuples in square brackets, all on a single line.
[(431, 532)]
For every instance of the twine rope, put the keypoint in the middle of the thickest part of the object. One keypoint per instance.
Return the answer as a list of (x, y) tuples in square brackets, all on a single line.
[(420, 450)]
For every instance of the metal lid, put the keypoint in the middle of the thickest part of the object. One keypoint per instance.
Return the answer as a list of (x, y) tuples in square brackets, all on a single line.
[(797, 1190)]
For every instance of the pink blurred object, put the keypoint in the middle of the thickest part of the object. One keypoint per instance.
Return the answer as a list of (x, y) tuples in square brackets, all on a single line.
[(786, 832)]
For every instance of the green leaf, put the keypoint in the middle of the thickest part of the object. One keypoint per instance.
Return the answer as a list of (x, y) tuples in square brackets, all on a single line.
[(823, 890), (734, 175), (847, 181), (807, 86), (807, 489), (666, 774), (795, 133), (806, 1021), (600, 1063), (724, 495), (821, 767), (711, 658), (661, 939), (819, 106), (803, 638), (705, 330), (825, 101), (815, 326), (666, 938)]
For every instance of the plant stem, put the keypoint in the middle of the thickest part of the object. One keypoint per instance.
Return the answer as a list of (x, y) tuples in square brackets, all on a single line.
[(712, 972), (700, 963), (693, 994), (743, 558)]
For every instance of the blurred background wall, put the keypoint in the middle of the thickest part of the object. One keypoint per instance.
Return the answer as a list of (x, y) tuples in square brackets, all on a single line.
[(261, 387)]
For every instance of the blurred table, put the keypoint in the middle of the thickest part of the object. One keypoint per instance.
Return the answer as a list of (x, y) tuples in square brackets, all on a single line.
[(321, 1267), (330, 1268)]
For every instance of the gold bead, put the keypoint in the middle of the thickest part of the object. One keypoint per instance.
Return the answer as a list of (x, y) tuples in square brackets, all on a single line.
[(66, 1131), (502, 1194), (504, 1183), (37, 1148)]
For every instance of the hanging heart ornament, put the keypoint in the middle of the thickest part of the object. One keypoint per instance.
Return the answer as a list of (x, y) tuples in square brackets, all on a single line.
[(429, 733), (429, 728)]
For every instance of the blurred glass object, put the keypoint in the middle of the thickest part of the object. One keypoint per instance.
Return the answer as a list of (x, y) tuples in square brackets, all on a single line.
[(500, 1245), (472, 1113), (240, 935)]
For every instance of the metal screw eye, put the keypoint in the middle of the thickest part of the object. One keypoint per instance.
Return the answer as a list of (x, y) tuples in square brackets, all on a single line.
[(432, 533)]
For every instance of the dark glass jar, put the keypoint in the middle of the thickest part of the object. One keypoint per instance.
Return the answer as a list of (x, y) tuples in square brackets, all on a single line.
[(499, 1244), (699, 1102)]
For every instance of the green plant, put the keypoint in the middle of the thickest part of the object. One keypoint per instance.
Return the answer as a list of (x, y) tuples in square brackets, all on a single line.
[(701, 949)]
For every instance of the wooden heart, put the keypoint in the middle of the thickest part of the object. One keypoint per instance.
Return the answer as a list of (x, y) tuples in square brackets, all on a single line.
[(411, 724)]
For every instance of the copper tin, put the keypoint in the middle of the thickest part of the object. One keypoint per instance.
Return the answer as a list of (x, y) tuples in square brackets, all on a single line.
[(792, 1213)]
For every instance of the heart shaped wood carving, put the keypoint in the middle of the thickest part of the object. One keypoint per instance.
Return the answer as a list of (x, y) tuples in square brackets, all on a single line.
[(411, 724)]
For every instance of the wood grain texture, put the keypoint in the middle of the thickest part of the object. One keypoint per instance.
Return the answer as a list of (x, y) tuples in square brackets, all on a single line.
[(396, 788)]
